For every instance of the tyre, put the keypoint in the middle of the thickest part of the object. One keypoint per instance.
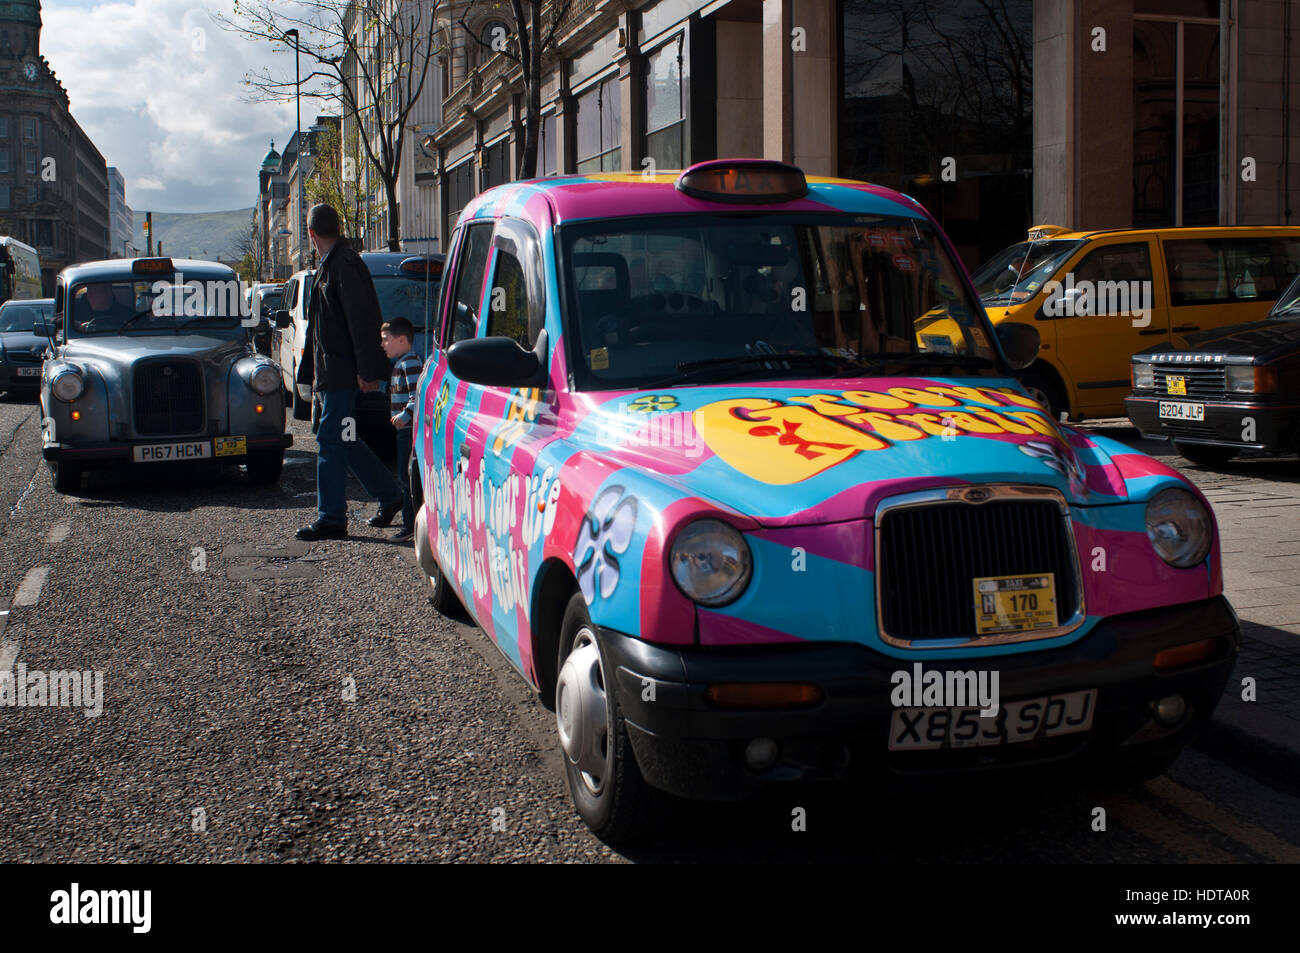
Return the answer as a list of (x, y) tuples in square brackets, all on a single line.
[(1044, 388), (264, 466), (442, 597), (66, 476), (1204, 453), (605, 783)]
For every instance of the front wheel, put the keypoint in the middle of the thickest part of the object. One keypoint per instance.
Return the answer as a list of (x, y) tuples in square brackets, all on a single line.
[(1204, 453), (1044, 389), (264, 466), (605, 783)]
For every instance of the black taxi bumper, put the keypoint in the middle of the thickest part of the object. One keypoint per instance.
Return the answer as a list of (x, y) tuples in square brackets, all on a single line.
[(1273, 427), (113, 452), (687, 746)]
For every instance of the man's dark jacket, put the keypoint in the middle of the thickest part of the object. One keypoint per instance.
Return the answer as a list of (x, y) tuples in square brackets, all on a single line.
[(343, 323)]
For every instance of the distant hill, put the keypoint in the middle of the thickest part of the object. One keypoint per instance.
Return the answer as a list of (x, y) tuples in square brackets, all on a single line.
[(208, 235)]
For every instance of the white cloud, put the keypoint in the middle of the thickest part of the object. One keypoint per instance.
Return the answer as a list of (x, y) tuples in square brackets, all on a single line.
[(159, 88)]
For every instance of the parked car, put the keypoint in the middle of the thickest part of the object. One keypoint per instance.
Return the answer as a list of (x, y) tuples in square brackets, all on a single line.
[(138, 378), (289, 337), (689, 457), (1216, 393), (264, 300), (1098, 297), (22, 348)]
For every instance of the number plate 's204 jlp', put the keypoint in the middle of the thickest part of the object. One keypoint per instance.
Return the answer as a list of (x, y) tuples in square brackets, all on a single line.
[(1015, 603)]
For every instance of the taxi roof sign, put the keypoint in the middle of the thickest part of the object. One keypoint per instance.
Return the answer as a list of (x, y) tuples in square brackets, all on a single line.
[(747, 181), (152, 266), (422, 266), (1040, 232)]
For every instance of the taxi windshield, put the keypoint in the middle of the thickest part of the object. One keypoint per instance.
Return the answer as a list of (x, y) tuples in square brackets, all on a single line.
[(120, 307), (684, 299), (407, 297), (1016, 273), (16, 316)]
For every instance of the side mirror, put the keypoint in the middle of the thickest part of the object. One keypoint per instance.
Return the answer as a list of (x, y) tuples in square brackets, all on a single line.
[(1019, 342), (44, 327), (497, 362), (283, 318)]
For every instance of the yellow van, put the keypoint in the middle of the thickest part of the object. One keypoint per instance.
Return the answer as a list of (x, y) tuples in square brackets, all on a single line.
[(1099, 297)]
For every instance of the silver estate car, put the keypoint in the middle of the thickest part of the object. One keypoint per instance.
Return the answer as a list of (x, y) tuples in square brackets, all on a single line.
[(152, 363)]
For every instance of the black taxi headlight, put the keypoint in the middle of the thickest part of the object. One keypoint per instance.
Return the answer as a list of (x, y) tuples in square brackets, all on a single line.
[(711, 562), (264, 379), (1241, 379), (1179, 527), (68, 384), (1144, 377)]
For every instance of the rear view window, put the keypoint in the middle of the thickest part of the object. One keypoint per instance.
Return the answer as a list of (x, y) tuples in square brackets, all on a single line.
[(1219, 270)]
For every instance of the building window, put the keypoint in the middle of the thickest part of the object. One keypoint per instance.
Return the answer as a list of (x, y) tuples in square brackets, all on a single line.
[(29, 128), (4, 127), (546, 164), (460, 189), (4, 196), (4, 160), (496, 163), (665, 112), (1175, 143), (29, 157), (600, 122)]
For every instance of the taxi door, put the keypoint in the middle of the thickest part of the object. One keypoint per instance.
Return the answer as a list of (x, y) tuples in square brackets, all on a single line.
[(1116, 292)]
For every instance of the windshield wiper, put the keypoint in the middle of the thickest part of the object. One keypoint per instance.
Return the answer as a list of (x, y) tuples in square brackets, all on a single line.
[(135, 317), (927, 357)]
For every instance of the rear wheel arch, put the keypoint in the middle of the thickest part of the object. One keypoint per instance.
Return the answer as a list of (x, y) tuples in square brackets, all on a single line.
[(555, 585)]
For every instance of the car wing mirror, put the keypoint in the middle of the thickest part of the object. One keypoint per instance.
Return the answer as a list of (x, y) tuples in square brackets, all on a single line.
[(1019, 343), (282, 318), (498, 362)]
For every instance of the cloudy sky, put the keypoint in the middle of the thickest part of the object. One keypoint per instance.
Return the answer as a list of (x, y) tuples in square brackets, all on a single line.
[(166, 104)]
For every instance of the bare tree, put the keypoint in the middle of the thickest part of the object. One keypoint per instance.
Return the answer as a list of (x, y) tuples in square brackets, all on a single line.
[(333, 180), (369, 56), (532, 42)]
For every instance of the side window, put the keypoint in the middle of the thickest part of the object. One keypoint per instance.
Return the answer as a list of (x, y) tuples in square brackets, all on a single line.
[(1217, 270), (293, 296), (508, 301), (469, 283), (1130, 262)]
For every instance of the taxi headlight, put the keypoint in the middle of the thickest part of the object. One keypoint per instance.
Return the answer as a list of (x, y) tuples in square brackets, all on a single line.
[(1178, 527), (711, 563), (264, 379), (1144, 377), (68, 385)]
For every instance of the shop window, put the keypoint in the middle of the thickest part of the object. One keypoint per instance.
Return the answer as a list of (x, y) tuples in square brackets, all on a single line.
[(666, 96), (600, 120)]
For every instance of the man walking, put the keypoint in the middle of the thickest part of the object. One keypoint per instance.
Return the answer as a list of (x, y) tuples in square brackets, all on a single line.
[(343, 330)]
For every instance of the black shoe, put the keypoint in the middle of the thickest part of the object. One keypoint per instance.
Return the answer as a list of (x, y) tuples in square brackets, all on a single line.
[(322, 530), (404, 535), (385, 515)]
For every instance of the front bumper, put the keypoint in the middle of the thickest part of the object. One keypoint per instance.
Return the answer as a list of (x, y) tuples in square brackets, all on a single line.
[(106, 454), (1276, 425), (688, 747), (12, 379)]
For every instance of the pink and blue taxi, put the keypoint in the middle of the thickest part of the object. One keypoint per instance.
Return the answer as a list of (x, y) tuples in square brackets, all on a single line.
[(732, 468)]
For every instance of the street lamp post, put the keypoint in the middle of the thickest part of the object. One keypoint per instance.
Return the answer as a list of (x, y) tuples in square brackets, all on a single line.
[(297, 108)]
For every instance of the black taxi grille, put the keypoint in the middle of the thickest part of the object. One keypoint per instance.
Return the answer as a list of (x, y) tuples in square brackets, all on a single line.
[(1201, 380), (168, 399), (929, 557)]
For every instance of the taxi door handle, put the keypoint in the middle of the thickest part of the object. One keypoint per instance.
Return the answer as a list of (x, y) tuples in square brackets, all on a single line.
[(1187, 327)]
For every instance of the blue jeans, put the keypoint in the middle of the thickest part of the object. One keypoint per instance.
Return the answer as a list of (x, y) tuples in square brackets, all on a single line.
[(336, 455), (404, 475)]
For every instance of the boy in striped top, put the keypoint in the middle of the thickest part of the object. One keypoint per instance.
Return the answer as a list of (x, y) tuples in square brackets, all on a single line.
[(397, 337)]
